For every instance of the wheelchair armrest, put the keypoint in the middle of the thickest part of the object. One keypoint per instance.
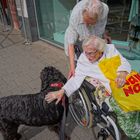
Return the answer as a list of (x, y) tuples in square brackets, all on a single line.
[(88, 86)]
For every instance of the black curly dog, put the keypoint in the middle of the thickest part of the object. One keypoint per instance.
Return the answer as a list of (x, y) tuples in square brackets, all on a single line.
[(32, 109)]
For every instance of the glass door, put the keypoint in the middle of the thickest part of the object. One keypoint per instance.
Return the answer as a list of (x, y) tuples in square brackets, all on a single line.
[(53, 18)]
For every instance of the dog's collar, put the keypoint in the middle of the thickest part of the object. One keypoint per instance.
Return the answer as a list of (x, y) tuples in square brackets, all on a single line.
[(56, 84)]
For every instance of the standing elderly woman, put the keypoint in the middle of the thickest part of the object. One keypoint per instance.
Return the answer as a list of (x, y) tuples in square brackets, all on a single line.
[(88, 17), (94, 51)]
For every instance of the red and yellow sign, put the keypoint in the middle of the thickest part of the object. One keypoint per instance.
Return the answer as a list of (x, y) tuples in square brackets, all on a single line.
[(132, 85)]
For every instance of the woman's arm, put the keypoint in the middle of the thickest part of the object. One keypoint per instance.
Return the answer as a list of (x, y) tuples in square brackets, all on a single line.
[(69, 88), (71, 61), (123, 70), (70, 38)]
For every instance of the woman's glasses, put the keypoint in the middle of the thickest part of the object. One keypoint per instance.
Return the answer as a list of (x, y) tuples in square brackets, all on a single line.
[(91, 54)]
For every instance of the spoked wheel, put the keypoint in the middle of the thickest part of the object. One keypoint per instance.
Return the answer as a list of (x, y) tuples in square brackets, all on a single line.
[(106, 130), (104, 127), (81, 109)]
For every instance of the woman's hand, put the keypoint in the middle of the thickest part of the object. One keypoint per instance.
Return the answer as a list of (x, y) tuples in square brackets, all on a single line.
[(121, 78), (56, 95), (107, 37), (71, 72)]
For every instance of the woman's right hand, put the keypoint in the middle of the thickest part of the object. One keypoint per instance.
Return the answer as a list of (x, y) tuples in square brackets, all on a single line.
[(55, 95), (71, 72)]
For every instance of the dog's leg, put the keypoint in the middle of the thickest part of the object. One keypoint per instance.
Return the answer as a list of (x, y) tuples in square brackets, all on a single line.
[(9, 131), (12, 134), (3, 132)]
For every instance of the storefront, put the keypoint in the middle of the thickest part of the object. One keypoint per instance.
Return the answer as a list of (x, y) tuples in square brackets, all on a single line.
[(52, 18), (5, 14)]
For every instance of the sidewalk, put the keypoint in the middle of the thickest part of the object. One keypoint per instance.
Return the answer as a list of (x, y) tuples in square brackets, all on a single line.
[(20, 68)]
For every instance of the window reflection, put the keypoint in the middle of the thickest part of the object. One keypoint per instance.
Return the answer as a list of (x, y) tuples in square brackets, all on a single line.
[(53, 18), (118, 24)]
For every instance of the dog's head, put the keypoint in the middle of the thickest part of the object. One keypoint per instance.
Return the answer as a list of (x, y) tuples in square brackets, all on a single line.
[(51, 78)]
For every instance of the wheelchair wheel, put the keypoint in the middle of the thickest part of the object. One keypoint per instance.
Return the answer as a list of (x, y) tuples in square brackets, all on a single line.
[(113, 129), (81, 109), (106, 130)]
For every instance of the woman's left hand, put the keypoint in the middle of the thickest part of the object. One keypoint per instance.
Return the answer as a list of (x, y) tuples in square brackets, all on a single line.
[(56, 95), (107, 37), (121, 78)]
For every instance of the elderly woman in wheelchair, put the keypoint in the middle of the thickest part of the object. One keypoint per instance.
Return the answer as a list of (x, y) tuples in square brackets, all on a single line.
[(90, 92)]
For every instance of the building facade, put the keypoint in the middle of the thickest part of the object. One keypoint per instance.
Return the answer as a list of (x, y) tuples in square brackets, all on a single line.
[(48, 19), (52, 17)]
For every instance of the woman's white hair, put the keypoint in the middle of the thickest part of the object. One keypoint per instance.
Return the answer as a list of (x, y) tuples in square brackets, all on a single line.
[(95, 42), (94, 7)]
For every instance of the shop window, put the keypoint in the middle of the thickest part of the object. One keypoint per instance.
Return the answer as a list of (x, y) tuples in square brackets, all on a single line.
[(118, 24), (53, 18)]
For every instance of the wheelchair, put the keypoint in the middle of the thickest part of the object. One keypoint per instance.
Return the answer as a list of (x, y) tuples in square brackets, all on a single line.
[(86, 112)]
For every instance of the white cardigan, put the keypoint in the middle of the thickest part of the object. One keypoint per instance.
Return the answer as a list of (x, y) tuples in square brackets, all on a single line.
[(86, 68)]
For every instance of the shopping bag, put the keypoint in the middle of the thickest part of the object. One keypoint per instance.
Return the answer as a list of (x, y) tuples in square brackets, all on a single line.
[(127, 97), (109, 66)]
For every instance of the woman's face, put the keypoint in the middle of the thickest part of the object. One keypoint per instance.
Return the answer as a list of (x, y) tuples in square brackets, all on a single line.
[(89, 20), (92, 54)]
